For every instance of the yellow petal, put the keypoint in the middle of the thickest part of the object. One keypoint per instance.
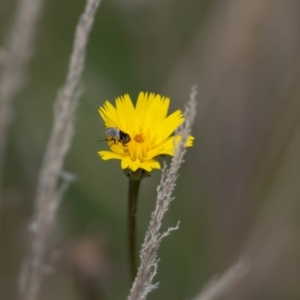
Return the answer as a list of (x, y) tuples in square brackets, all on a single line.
[(171, 123), (190, 141), (149, 165), (109, 115), (127, 162), (154, 152), (165, 103), (157, 112), (143, 102), (118, 147), (105, 155), (168, 146), (126, 114)]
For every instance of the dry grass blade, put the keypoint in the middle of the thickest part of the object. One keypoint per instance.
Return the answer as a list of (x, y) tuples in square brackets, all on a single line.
[(48, 194), (148, 266), (220, 285), (18, 49)]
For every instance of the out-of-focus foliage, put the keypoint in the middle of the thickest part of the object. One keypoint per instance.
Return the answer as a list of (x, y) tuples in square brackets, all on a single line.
[(238, 193)]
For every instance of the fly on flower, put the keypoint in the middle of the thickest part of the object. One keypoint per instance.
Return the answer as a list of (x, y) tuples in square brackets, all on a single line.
[(115, 136), (145, 129)]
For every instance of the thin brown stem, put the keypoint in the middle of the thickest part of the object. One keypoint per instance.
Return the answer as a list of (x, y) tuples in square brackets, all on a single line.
[(142, 284), (133, 192)]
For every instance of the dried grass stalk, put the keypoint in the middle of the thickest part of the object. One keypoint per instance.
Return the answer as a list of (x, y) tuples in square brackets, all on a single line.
[(219, 286), (148, 266), (48, 194), (17, 49)]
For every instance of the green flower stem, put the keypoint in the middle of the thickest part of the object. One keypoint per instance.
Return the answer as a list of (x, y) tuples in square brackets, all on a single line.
[(133, 192)]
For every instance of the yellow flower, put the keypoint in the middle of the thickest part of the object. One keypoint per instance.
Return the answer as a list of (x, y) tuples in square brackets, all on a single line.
[(146, 128)]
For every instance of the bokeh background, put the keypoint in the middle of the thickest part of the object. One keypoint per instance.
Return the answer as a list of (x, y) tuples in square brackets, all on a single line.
[(238, 194)]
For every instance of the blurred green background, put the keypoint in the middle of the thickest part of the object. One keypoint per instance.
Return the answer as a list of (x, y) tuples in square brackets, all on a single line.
[(238, 194)]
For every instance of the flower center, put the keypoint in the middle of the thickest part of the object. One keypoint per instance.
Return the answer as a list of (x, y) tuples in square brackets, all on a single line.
[(139, 138)]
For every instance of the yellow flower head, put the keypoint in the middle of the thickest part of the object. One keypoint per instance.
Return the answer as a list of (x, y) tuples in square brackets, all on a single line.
[(139, 135)]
